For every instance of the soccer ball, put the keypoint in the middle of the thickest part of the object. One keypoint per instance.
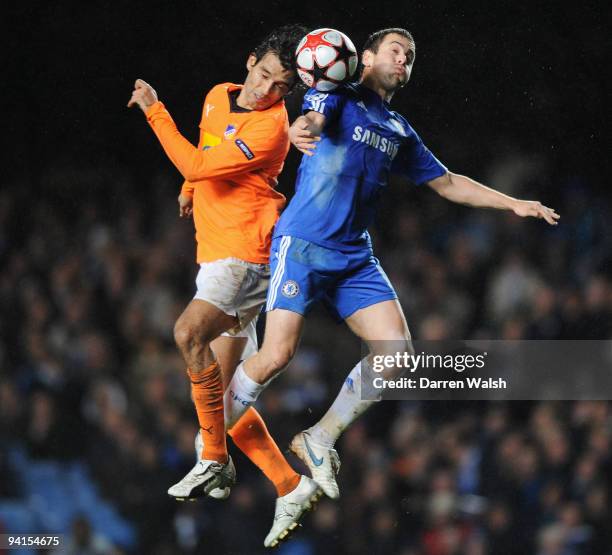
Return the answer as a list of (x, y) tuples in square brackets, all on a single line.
[(326, 58)]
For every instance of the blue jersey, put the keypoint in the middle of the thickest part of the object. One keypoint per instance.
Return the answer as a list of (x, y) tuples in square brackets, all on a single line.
[(337, 188)]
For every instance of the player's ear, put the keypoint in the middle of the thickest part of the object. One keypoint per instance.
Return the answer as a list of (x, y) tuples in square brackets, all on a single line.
[(366, 58), (251, 61)]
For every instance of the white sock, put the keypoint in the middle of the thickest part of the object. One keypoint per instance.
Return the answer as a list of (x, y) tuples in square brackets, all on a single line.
[(240, 394), (345, 409)]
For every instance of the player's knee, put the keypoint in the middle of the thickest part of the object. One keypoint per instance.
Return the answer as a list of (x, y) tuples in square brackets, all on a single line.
[(281, 360), (278, 358), (182, 335), (392, 348), (188, 336)]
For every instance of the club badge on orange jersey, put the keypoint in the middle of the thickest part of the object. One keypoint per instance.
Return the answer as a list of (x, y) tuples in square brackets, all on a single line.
[(229, 132)]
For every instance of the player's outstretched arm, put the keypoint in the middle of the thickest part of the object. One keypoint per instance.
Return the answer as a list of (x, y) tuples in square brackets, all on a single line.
[(258, 144), (463, 190), (306, 131)]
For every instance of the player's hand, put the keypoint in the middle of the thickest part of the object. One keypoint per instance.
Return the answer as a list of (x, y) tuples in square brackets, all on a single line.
[(143, 96), (301, 138), (185, 206), (535, 209)]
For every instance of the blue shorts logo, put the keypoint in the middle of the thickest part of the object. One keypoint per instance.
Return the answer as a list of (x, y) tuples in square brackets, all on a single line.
[(290, 289)]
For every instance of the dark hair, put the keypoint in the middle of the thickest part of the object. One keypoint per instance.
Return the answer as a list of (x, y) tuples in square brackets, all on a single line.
[(373, 41), (282, 42)]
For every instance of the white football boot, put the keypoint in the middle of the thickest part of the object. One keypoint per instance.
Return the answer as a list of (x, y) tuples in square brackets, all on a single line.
[(289, 509), (203, 478), (215, 493), (323, 462)]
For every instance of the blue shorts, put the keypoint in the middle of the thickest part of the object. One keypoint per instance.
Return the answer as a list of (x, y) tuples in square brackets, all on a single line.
[(304, 273)]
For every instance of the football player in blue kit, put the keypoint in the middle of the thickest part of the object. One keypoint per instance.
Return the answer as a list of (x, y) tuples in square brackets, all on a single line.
[(321, 249)]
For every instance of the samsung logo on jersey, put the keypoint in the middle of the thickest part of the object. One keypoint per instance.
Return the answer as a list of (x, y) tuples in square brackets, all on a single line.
[(375, 140)]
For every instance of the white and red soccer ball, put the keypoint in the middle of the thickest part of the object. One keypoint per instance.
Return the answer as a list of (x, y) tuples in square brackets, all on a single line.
[(326, 58)]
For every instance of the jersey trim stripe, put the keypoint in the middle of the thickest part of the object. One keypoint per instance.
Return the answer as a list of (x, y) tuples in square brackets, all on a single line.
[(278, 272), (384, 276)]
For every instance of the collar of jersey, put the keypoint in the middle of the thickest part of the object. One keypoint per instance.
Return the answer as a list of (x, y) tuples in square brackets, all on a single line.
[(233, 102), (366, 91)]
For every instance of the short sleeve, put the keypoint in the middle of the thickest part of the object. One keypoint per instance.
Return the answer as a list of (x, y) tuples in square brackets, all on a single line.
[(328, 104), (416, 162)]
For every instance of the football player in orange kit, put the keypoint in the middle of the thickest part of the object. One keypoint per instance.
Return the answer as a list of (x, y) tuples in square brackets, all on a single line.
[(230, 189)]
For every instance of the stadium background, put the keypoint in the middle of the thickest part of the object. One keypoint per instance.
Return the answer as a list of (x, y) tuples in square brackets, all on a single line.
[(95, 265)]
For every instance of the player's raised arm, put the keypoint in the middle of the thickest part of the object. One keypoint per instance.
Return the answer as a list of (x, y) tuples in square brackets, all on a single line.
[(463, 190), (253, 149), (305, 132), (144, 96), (318, 109)]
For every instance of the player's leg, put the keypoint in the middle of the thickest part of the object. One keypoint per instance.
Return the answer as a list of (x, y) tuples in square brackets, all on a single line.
[(296, 494), (245, 303), (250, 434), (383, 328), (209, 314), (283, 330), (194, 331), (229, 351), (291, 293), (281, 338), (293, 289), (367, 302), (301, 273), (198, 325)]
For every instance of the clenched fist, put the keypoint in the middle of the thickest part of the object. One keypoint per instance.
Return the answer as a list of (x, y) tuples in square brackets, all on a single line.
[(144, 95), (185, 205)]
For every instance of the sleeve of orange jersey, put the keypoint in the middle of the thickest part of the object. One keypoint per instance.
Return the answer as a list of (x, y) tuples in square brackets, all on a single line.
[(262, 139), (187, 188)]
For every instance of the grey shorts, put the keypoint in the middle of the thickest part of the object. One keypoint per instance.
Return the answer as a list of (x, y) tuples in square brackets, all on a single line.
[(237, 288)]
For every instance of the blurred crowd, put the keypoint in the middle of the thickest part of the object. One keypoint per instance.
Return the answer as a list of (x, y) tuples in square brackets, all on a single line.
[(94, 272)]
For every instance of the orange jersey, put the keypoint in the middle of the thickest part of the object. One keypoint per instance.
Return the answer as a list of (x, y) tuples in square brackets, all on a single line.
[(231, 175)]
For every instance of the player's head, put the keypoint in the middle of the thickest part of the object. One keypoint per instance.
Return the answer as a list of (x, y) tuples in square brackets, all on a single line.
[(388, 56), (271, 67)]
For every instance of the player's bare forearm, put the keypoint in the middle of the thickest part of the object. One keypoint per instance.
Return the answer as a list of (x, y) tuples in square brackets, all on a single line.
[(463, 190), (315, 122), (305, 132)]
